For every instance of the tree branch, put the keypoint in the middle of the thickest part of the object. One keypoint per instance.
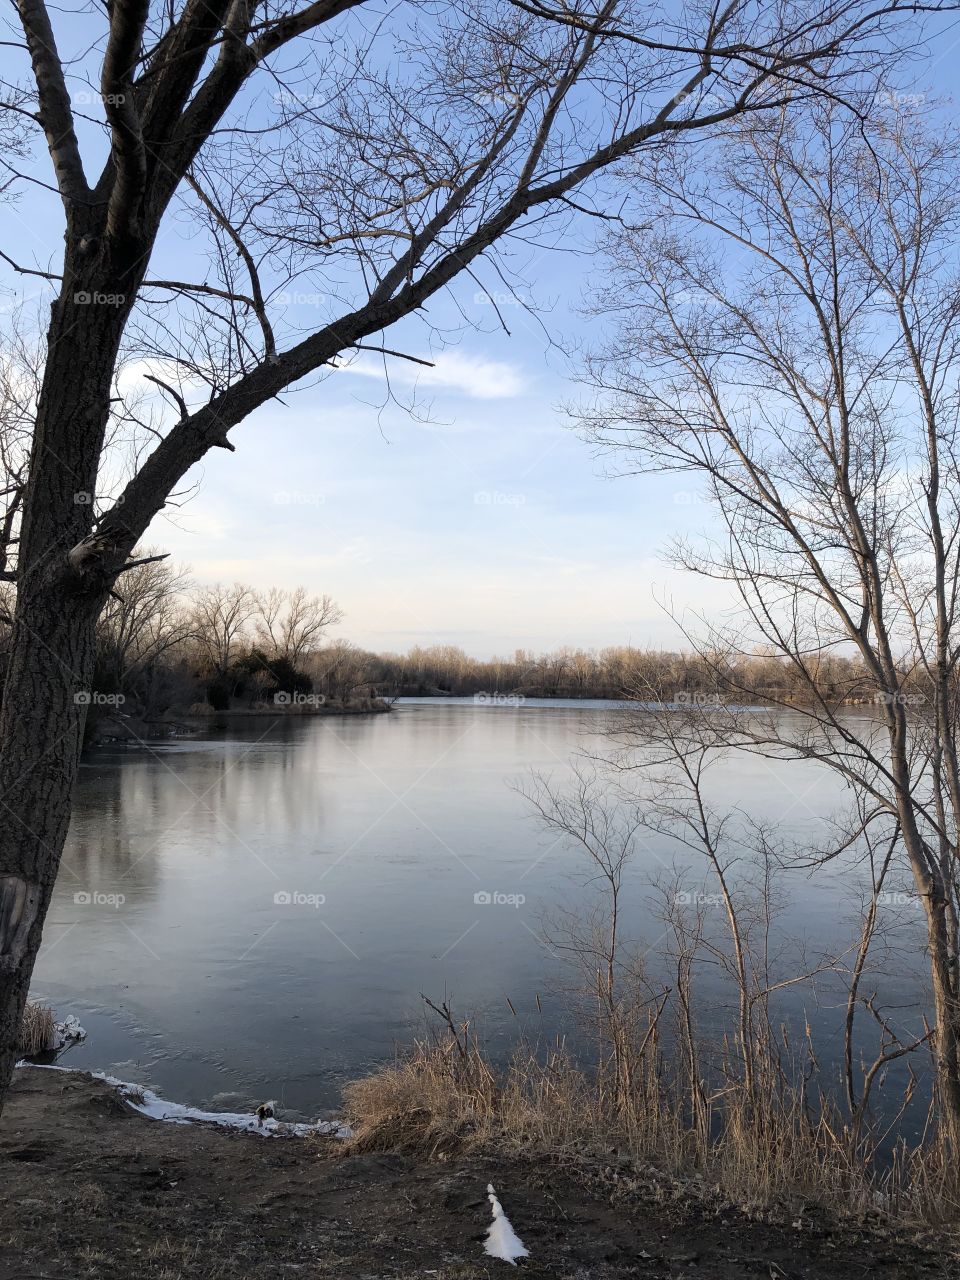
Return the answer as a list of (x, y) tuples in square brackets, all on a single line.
[(269, 342), (28, 271), (56, 115), (129, 156), (135, 564), (400, 355)]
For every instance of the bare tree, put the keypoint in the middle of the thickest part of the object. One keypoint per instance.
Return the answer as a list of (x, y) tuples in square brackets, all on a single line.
[(144, 618), (341, 670), (396, 152), (789, 335), (654, 786), (219, 618), (291, 624)]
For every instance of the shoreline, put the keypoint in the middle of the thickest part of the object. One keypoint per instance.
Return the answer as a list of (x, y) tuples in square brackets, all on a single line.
[(111, 730), (98, 1189)]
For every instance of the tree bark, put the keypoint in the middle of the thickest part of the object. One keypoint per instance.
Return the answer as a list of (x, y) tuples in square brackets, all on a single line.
[(51, 659)]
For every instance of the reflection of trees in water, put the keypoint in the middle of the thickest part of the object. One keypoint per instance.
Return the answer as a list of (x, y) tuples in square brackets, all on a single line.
[(131, 813), (111, 847)]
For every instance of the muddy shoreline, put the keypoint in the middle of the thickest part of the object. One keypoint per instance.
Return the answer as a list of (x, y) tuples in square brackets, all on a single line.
[(95, 1189)]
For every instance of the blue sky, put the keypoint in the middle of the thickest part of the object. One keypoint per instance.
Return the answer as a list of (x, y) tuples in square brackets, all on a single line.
[(480, 520)]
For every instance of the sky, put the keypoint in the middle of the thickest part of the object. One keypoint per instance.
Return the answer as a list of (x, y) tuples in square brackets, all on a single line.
[(489, 526), (480, 519)]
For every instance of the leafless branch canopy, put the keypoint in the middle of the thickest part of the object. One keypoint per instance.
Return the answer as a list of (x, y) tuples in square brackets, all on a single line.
[(787, 335), (361, 161)]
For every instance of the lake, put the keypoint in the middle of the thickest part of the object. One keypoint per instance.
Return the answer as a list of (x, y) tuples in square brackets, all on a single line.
[(255, 911)]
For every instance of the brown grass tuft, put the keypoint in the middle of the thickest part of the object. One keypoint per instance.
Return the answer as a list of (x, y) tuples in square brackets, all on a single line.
[(37, 1032)]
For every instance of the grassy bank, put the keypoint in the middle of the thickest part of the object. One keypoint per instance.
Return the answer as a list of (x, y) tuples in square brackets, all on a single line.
[(776, 1147), (96, 1191)]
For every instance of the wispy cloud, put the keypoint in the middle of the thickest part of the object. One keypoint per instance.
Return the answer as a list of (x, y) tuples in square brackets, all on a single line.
[(134, 377), (468, 375)]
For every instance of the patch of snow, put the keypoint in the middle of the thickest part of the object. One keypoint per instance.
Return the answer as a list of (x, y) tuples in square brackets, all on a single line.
[(150, 1104), (502, 1241), (69, 1031)]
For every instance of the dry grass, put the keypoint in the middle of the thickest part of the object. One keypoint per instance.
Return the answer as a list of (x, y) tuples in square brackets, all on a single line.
[(445, 1097), (37, 1033), (442, 1096)]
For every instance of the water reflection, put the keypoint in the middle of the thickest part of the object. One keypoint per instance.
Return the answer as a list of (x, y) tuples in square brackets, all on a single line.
[(188, 930)]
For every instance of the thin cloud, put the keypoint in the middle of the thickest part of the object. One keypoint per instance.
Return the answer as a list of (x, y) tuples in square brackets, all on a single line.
[(472, 376)]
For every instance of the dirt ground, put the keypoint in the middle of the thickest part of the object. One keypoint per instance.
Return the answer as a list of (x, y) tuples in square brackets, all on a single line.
[(93, 1189)]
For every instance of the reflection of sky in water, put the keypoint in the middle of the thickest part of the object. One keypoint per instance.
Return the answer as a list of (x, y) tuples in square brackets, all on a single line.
[(202, 984)]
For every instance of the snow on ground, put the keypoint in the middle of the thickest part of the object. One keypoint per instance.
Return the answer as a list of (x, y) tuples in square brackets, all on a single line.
[(149, 1104), (68, 1032), (502, 1241)]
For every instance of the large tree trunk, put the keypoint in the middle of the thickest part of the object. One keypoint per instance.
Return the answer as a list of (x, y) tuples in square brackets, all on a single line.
[(947, 1041), (59, 594), (41, 723), (933, 895)]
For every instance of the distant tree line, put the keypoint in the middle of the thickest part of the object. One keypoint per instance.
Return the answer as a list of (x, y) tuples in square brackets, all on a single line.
[(617, 671), (166, 646)]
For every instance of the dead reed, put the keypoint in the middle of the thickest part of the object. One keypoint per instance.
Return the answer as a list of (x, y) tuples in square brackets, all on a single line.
[(781, 1144), (37, 1031)]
